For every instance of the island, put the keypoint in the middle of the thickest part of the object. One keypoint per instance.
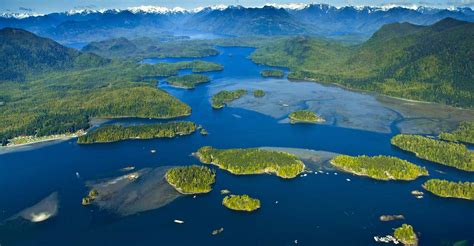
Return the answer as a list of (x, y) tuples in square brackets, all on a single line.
[(220, 99), (464, 133), (449, 189), (379, 167), (441, 152), (406, 235), (258, 93), (305, 116), (114, 133), (272, 73), (200, 66), (90, 197), (252, 161), (241, 203), (191, 179), (188, 81)]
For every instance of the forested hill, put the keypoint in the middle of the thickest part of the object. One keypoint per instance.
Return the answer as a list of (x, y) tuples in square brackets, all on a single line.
[(23, 53), (431, 63)]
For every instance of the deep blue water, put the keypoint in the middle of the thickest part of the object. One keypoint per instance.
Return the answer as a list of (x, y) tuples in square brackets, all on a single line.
[(315, 210)]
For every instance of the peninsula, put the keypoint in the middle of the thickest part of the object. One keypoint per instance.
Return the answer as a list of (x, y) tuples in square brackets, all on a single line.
[(114, 133)]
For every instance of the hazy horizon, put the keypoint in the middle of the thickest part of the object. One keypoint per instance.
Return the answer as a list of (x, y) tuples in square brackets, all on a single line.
[(41, 7)]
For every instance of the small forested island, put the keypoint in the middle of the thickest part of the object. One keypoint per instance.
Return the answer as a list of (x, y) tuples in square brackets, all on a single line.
[(442, 152), (200, 66), (252, 161), (379, 167), (406, 235), (188, 81), (258, 93), (464, 133), (223, 97), (445, 188), (113, 133), (241, 203), (90, 197), (305, 116), (272, 73), (191, 179)]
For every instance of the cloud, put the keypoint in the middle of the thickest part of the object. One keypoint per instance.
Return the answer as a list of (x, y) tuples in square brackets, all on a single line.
[(463, 3), (24, 9)]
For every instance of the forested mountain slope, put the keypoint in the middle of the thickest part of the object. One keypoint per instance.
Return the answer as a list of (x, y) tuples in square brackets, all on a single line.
[(432, 63), (23, 53)]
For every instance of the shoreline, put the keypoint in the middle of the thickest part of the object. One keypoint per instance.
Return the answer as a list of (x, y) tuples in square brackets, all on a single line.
[(57, 138)]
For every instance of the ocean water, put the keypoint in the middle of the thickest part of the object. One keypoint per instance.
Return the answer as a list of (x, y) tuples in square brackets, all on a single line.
[(319, 209)]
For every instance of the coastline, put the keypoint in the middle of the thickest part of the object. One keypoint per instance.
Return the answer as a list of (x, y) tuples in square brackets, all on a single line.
[(60, 137)]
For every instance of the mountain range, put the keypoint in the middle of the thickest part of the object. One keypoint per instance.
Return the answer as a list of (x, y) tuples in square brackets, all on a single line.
[(311, 19)]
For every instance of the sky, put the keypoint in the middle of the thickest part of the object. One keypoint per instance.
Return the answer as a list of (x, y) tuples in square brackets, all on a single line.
[(48, 6)]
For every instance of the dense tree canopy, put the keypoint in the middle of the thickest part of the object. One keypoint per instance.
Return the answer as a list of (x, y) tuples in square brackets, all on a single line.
[(220, 99), (406, 235), (188, 81), (191, 179), (446, 153), (445, 188), (252, 161), (113, 133), (379, 167), (241, 203), (464, 133), (429, 63)]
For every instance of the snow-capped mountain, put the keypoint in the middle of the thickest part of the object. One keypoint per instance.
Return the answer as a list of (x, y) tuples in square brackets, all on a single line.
[(270, 19)]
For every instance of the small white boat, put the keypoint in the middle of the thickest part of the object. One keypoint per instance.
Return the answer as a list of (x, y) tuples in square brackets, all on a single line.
[(348, 180), (178, 221), (276, 202), (152, 151)]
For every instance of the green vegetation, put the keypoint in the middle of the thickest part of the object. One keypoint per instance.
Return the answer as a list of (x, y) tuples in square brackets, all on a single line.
[(379, 167), (223, 97), (305, 116), (64, 101), (191, 179), (252, 161), (22, 140), (90, 197), (241, 203), (429, 63), (150, 47), (464, 133), (200, 66), (23, 54), (272, 73), (258, 93), (114, 133), (444, 188), (406, 235), (449, 154), (188, 81)]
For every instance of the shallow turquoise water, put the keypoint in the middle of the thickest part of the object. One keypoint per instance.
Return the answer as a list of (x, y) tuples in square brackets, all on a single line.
[(322, 209)]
